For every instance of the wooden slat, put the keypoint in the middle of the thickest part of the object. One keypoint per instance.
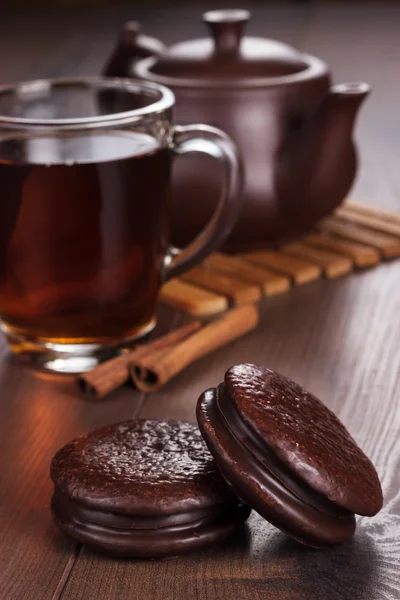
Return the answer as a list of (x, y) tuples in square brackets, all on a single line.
[(387, 244), (271, 283), (332, 264), (192, 299), (369, 211), (300, 271), (370, 221), (362, 255), (237, 290)]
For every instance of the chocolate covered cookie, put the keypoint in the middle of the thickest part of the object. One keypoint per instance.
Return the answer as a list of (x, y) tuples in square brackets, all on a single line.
[(288, 456), (144, 488)]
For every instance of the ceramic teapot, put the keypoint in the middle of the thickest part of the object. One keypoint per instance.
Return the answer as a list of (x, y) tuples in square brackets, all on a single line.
[(293, 128)]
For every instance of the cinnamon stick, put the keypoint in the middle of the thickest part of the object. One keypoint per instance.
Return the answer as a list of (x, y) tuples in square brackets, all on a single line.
[(151, 372), (115, 372)]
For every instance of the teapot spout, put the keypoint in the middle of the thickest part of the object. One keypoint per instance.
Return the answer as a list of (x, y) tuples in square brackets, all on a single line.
[(132, 45), (318, 162), (343, 102)]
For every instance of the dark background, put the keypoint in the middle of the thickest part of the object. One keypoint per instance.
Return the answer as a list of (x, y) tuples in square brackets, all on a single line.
[(9, 5)]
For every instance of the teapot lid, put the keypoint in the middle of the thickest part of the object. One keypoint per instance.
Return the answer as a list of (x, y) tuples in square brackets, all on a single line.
[(228, 56)]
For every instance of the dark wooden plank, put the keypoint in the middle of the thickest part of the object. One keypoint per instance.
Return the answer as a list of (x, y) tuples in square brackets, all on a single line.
[(41, 413), (38, 414), (340, 339)]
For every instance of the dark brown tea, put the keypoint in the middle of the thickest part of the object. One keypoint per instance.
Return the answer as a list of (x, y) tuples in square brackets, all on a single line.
[(84, 225)]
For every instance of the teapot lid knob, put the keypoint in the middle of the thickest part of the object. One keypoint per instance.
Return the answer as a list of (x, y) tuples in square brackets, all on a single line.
[(130, 32), (227, 28)]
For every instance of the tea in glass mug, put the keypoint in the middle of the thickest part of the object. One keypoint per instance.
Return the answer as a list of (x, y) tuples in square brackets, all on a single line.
[(85, 206)]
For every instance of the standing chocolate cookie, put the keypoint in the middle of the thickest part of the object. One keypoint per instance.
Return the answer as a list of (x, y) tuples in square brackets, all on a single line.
[(286, 454), (143, 488)]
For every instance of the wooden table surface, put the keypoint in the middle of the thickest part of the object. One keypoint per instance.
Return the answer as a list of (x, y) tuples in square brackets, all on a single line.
[(339, 338)]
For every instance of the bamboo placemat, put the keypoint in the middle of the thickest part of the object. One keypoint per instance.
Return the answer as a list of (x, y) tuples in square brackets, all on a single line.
[(354, 237)]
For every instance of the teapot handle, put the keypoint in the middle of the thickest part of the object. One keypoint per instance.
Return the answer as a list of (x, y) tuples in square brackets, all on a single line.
[(132, 45), (211, 141)]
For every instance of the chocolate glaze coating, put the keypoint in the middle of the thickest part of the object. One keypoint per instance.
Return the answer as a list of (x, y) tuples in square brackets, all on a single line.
[(306, 436), (152, 543), (262, 489), (141, 468), (231, 419)]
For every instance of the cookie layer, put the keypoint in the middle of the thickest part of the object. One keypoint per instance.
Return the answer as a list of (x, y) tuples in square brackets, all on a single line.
[(65, 507), (159, 542)]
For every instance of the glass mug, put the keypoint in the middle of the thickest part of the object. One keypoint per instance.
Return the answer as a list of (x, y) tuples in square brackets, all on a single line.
[(85, 170)]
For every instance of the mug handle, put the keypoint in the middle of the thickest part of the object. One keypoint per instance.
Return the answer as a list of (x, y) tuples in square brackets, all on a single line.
[(216, 143)]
